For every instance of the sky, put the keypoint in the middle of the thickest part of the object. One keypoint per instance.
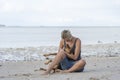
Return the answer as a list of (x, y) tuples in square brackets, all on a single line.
[(60, 12)]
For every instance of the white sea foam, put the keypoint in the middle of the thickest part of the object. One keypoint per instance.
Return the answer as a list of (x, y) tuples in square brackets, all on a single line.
[(101, 50), (36, 53)]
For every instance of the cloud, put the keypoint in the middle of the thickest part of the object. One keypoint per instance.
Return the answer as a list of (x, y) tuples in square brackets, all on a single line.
[(60, 12), (11, 6)]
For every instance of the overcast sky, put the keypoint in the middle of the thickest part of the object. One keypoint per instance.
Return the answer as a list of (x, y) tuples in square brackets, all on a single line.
[(60, 12)]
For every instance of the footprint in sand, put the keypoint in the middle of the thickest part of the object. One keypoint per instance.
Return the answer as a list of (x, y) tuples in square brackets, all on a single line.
[(27, 74), (2, 76)]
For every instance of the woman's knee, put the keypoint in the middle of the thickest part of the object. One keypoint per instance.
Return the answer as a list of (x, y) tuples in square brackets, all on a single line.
[(61, 53), (83, 62)]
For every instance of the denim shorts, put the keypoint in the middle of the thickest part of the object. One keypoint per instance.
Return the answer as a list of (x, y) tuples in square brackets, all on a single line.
[(66, 64)]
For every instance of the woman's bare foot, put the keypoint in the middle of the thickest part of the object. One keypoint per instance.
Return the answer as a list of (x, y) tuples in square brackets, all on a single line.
[(58, 70), (65, 71), (45, 73), (49, 72)]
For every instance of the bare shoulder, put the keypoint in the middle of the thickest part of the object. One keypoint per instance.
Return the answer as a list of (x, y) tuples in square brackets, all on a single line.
[(78, 40), (61, 43)]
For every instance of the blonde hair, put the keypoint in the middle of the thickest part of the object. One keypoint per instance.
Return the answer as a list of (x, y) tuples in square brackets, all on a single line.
[(66, 34)]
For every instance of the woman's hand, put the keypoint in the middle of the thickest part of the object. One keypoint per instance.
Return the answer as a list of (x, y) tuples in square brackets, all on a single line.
[(63, 51)]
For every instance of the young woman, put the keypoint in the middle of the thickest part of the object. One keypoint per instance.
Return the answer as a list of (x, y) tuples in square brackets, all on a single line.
[(69, 60)]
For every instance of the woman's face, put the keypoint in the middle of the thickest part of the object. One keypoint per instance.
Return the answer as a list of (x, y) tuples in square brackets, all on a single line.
[(67, 40)]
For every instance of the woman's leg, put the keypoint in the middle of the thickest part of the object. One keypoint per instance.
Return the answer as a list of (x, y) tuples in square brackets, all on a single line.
[(78, 65), (55, 61)]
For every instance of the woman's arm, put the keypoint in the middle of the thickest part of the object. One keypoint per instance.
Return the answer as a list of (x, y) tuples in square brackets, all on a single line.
[(61, 45), (77, 51)]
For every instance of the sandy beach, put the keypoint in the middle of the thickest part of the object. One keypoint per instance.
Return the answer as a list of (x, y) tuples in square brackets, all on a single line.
[(99, 67), (32, 32)]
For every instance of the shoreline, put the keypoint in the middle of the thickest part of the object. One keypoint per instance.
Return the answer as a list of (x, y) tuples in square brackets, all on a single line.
[(36, 53), (24, 63)]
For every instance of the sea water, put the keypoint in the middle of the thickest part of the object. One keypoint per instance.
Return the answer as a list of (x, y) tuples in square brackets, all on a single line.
[(50, 36), (30, 43)]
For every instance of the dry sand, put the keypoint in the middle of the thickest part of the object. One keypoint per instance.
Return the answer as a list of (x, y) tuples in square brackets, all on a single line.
[(97, 68)]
